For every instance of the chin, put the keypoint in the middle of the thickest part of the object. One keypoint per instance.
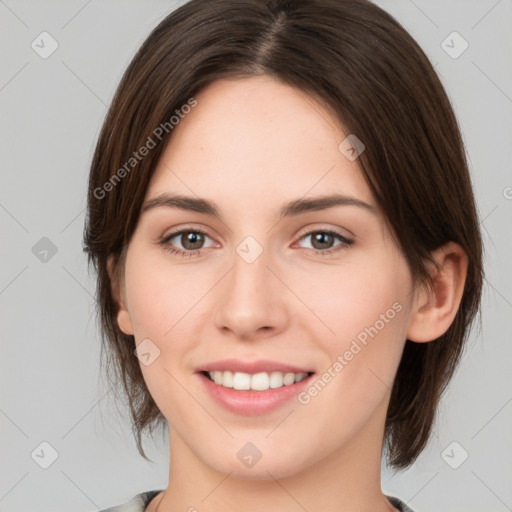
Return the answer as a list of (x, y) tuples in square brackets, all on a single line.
[(273, 465)]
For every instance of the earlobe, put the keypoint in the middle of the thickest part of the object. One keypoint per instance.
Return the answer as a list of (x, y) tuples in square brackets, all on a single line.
[(123, 316), (434, 310), (124, 321)]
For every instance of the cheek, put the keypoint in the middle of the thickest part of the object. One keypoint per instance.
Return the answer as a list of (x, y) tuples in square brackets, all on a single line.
[(158, 301), (349, 299), (363, 310), (159, 296), (163, 305)]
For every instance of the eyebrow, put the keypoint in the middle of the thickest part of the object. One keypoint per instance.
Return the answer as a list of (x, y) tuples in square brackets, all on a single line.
[(292, 208)]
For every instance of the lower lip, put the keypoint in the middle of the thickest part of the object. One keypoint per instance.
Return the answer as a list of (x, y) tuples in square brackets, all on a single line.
[(253, 403)]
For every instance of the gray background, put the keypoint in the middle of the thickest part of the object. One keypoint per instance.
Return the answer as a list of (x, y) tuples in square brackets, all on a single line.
[(51, 389)]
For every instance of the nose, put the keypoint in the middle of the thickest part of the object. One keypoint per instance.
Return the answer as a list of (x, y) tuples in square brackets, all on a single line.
[(250, 301)]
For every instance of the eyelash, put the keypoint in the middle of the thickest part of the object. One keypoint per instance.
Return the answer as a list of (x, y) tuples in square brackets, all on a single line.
[(197, 252)]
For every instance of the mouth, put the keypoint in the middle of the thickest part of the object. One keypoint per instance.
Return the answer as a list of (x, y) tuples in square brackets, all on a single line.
[(261, 381), (253, 394), (253, 387)]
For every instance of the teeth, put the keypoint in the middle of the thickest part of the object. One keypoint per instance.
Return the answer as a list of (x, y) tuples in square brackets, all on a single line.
[(256, 382)]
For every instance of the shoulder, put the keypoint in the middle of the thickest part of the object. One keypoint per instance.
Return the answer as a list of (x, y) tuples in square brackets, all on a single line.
[(399, 504), (138, 503)]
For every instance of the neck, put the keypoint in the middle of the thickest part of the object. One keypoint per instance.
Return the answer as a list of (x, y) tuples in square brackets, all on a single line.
[(347, 479)]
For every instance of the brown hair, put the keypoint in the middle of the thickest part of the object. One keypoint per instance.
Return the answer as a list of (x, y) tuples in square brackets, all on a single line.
[(361, 64)]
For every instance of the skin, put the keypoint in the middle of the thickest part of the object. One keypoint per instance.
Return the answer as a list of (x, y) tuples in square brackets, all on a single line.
[(252, 145)]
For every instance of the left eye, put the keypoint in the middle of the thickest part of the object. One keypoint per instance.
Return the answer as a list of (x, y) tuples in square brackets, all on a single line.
[(322, 240)]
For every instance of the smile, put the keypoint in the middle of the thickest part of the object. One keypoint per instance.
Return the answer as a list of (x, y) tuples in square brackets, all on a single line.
[(253, 394), (261, 381)]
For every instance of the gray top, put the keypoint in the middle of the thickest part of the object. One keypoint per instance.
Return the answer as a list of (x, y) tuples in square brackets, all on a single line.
[(139, 503)]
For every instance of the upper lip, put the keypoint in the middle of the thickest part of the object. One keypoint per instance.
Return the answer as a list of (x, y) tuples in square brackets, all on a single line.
[(257, 366)]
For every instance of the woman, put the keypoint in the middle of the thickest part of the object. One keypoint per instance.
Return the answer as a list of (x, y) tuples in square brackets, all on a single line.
[(283, 227)]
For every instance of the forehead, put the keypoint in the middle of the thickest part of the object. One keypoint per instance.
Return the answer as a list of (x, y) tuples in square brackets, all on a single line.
[(257, 140)]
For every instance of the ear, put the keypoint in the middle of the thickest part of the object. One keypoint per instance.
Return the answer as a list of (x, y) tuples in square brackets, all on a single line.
[(117, 284), (434, 310)]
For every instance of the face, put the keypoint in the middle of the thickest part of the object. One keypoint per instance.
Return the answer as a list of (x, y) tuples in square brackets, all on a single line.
[(321, 291)]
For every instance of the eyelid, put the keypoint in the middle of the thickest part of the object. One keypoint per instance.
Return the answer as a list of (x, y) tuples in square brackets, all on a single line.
[(172, 232), (343, 232), (300, 234)]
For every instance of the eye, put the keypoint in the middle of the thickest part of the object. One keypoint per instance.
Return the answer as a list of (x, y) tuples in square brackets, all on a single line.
[(191, 240), (322, 241)]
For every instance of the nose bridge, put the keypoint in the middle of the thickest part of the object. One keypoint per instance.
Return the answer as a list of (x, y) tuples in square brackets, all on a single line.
[(250, 274), (250, 298), (250, 280)]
